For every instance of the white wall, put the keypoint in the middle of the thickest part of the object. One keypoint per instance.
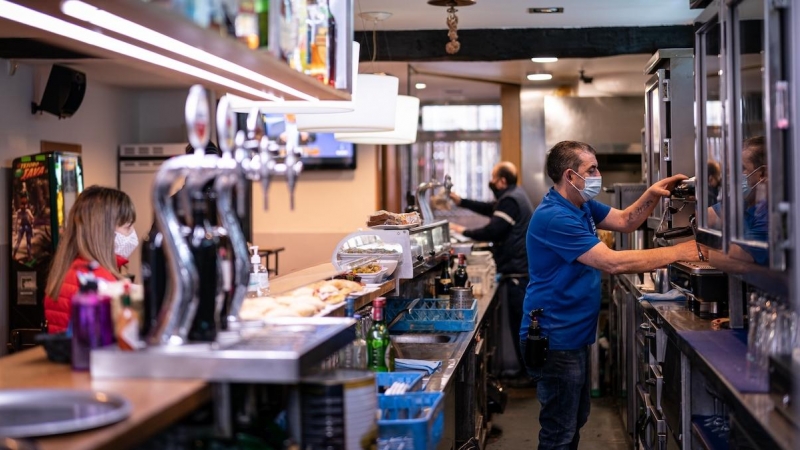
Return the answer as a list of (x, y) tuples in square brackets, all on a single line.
[(328, 206), (106, 117)]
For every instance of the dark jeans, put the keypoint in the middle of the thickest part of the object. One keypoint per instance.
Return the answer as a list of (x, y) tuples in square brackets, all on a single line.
[(562, 388), (515, 297)]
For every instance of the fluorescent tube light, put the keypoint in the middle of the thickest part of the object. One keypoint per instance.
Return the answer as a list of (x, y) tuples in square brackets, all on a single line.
[(89, 13), (540, 76), (420, 86), (36, 19), (544, 59)]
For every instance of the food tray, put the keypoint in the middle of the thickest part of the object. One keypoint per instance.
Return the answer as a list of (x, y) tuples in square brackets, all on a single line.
[(432, 314), (410, 422), (384, 380)]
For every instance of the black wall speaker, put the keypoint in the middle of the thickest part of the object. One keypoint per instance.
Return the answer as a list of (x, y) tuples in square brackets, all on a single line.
[(64, 92)]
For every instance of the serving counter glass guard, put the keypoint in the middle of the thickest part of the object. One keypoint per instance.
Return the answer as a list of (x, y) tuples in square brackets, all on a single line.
[(416, 249)]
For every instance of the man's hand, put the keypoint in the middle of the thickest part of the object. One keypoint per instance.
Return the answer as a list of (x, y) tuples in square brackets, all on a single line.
[(456, 228), (663, 188), (688, 251), (456, 199)]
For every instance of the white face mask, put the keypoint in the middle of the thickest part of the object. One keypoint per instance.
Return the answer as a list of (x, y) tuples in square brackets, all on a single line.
[(125, 245), (591, 187)]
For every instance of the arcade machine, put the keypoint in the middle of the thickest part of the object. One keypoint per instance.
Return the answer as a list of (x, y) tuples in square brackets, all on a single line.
[(43, 188)]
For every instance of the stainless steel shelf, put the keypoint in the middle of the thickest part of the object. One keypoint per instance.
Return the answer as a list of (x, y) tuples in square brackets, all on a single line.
[(282, 351)]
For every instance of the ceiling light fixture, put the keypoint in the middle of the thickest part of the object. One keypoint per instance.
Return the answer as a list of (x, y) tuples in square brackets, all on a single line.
[(453, 46), (405, 131), (544, 59), (420, 86), (89, 13), (546, 10), (36, 19), (540, 76)]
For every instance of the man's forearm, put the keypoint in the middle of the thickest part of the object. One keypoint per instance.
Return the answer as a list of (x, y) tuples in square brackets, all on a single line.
[(640, 210)]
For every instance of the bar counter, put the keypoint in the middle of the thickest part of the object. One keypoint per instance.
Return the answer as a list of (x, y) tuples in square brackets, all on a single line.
[(754, 411), (156, 404)]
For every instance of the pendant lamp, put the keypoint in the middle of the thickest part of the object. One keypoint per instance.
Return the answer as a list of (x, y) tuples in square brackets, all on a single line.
[(405, 131), (243, 105), (375, 103)]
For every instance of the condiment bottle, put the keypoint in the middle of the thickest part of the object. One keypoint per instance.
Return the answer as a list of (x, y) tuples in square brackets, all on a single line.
[(127, 323)]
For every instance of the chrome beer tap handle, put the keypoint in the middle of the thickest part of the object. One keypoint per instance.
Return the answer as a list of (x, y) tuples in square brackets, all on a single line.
[(293, 163), (424, 203)]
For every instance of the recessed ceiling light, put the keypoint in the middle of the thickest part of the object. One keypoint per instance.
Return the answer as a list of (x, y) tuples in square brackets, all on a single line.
[(544, 60), (546, 10), (540, 76), (420, 85)]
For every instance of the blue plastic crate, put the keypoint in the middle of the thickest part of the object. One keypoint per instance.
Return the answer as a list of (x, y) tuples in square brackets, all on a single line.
[(411, 422), (384, 380), (432, 314)]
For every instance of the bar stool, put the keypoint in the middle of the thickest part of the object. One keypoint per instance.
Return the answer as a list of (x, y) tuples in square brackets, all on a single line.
[(265, 253)]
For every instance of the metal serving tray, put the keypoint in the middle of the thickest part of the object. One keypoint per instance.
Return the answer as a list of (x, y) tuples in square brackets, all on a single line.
[(44, 412), (282, 351)]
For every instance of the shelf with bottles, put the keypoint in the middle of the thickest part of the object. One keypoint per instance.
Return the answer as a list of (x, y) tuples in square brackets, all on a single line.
[(181, 49)]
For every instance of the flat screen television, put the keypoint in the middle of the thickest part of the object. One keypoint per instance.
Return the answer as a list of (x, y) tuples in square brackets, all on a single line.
[(321, 151)]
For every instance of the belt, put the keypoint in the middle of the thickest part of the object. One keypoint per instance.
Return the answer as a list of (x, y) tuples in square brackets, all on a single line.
[(513, 276)]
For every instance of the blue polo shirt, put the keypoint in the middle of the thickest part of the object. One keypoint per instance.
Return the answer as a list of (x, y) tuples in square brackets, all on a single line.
[(568, 291)]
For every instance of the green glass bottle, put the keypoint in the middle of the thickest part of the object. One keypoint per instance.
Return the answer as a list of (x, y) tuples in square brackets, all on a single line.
[(262, 13), (378, 338)]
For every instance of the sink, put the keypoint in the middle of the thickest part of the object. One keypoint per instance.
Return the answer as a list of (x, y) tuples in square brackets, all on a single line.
[(423, 338)]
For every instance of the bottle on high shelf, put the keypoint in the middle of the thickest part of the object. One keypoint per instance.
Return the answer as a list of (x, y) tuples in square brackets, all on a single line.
[(331, 46), (262, 15), (246, 24), (460, 276), (378, 339)]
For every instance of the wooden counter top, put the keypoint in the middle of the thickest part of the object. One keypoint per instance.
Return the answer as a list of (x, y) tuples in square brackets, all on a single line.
[(156, 403)]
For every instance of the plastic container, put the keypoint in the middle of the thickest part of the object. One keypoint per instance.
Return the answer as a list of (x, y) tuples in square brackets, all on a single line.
[(432, 314), (410, 422), (384, 380)]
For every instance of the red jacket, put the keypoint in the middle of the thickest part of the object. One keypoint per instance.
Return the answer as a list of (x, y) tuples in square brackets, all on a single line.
[(57, 312)]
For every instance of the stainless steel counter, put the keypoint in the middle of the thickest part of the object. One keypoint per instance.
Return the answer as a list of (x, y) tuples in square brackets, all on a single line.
[(756, 412)]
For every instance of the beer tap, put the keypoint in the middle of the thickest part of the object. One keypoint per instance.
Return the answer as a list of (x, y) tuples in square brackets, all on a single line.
[(426, 189), (180, 303), (231, 173), (293, 164)]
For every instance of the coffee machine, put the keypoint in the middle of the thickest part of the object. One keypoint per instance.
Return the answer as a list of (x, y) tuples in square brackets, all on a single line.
[(705, 287)]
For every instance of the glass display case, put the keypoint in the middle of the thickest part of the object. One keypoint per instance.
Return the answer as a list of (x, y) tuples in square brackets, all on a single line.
[(745, 62), (669, 131), (416, 249)]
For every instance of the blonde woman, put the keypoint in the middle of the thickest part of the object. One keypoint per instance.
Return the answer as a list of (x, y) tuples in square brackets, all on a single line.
[(99, 228)]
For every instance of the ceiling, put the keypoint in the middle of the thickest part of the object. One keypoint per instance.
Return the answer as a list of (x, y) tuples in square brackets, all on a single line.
[(617, 75), (457, 81)]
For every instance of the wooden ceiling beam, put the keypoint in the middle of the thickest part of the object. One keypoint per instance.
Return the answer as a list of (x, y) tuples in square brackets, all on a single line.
[(523, 43)]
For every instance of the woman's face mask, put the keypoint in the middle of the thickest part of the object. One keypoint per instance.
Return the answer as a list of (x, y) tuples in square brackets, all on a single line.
[(591, 186), (124, 245)]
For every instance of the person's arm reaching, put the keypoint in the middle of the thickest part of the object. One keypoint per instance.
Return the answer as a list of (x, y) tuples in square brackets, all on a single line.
[(633, 216), (635, 261), (482, 208), (503, 219)]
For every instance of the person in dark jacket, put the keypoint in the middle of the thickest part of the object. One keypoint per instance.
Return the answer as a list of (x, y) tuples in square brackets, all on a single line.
[(510, 213), (99, 228)]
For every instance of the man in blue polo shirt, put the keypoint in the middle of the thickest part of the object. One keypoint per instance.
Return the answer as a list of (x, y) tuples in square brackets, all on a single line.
[(565, 258)]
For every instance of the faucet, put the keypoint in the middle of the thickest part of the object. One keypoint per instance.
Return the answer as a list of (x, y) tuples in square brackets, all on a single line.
[(426, 190), (246, 155)]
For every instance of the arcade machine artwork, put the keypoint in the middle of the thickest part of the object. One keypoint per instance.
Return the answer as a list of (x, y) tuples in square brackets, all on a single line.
[(44, 187)]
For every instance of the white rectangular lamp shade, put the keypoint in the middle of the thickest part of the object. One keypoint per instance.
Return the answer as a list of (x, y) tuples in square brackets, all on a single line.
[(375, 102), (405, 131)]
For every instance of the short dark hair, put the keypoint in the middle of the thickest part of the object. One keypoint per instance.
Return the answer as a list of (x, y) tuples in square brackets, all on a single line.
[(563, 156), (510, 175), (756, 147)]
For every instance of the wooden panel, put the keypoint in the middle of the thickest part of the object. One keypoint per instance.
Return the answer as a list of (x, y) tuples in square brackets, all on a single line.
[(47, 146), (156, 403)]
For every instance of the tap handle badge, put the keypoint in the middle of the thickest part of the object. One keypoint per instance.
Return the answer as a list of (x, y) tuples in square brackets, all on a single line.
[(198, 118), (226, 126)]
